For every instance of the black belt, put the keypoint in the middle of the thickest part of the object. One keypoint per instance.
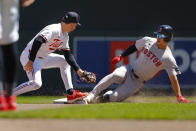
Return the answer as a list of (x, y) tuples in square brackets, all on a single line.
[(136, 76)]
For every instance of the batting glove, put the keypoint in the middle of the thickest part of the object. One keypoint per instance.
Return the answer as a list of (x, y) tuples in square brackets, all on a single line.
[(116, 59), (181, 99)]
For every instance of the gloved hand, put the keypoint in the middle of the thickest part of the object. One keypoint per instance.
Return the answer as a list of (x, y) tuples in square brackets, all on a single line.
[(88, 77), (116, 59), (181, 99)]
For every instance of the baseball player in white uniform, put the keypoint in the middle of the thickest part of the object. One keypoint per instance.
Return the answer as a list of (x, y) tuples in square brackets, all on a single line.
[(9, 24), (39, 55), (155, 55)]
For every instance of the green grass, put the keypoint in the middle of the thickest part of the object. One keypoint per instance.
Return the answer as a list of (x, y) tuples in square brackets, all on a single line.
[(36, 99), (154, 111)]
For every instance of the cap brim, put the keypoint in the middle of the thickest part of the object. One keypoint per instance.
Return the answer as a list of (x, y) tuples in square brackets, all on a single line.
[(161, 36)]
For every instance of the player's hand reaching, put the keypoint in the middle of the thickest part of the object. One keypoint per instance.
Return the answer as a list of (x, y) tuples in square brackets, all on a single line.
[(80, 72), (181, 99), (86, 76), (26, 3), (116, 59), (29, 66)]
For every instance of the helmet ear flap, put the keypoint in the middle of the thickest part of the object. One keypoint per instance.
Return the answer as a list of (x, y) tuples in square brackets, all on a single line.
[(168, 39)]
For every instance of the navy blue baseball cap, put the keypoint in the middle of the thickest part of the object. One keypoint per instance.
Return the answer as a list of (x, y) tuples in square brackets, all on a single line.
[(164, 31), (71, 17)]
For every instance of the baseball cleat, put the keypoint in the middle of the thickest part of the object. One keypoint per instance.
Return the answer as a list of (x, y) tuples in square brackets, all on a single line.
[(11, 102), (89, 98), (76, 96), (3, 104)]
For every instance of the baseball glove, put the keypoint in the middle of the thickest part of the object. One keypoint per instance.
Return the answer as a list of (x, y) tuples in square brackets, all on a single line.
[(88, 77)]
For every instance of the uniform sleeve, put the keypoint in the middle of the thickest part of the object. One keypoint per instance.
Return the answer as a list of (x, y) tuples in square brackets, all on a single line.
[(140, 43), (172, 68), (47, 33)]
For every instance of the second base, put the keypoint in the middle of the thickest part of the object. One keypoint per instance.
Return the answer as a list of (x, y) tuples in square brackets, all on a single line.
[(60, 101), (64, 101)]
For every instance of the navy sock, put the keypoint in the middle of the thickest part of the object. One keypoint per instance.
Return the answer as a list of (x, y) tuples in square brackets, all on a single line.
[(70, 91)]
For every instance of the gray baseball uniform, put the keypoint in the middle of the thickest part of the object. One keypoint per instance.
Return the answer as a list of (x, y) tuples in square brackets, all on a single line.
[(132, 77), (9, 15)]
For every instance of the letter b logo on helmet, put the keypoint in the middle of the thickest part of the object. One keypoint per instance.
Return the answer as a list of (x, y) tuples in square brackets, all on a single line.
[(165, 32)]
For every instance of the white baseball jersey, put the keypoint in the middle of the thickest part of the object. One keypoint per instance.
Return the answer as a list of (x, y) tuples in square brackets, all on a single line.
[(55, 39), (45, 59), (9, 21), (152, 59)]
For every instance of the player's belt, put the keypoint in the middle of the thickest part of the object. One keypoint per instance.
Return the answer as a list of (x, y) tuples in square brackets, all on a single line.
[(136, 76)]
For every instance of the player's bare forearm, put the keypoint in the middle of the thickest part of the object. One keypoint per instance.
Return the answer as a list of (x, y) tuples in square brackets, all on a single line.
[(175, 84), (176, 87)]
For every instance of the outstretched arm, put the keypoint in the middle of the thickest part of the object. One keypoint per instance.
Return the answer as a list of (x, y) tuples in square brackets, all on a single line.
[(131, 49), (72, 62), (176, 88)]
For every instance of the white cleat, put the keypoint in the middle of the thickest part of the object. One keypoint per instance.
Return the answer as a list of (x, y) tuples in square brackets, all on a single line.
[(89, 98)]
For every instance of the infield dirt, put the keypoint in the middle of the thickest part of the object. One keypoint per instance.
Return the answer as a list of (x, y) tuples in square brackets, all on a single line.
[(95, 125)]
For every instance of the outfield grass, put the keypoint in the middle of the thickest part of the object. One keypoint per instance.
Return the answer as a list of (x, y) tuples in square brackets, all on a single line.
[(155, 110)]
